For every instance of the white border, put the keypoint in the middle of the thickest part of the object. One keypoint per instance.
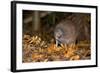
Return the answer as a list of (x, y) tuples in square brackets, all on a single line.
[(21, 65)]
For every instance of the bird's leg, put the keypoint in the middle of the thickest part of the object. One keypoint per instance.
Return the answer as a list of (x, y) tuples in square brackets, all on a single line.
[(72, 45), (65, 45)]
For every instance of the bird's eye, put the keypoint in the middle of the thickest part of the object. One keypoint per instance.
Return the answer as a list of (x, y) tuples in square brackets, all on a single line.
[(59, 36)]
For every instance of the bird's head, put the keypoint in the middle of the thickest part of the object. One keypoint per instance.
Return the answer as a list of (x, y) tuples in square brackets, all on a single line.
[(58, 34)]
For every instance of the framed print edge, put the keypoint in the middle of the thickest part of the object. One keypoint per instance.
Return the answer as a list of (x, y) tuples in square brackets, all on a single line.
[(13, 36), (96, 36)]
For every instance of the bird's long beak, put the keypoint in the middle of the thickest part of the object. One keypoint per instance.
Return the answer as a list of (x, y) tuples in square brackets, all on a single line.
[(57, 43)]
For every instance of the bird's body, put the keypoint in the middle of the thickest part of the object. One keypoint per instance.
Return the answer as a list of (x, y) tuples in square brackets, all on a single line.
[(67, 31)]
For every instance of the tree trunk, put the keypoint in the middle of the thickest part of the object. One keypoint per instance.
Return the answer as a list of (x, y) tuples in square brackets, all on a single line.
[(36, 21)]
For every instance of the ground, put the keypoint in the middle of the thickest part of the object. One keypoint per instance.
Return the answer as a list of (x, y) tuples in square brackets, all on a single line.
[(37, 50)]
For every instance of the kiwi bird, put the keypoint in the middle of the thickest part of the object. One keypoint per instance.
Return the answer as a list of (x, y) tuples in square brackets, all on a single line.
[(67, 31)]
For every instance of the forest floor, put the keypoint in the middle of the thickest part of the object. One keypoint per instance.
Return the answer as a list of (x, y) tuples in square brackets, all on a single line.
[(37, 49)]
